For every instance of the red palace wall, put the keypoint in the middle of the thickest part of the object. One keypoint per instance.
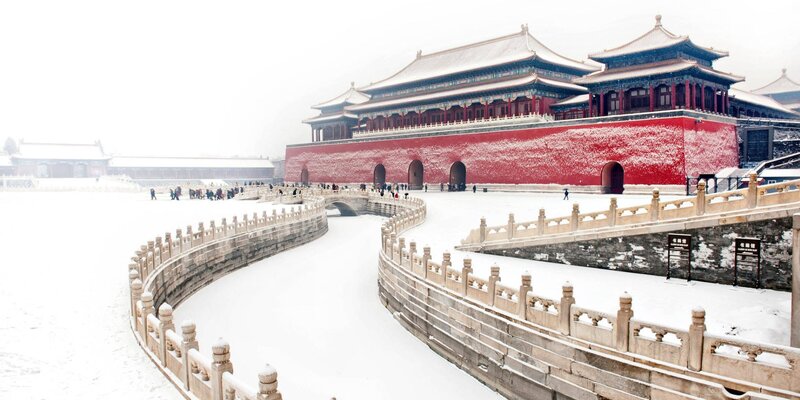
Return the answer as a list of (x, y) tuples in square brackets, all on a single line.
[(651, 151)]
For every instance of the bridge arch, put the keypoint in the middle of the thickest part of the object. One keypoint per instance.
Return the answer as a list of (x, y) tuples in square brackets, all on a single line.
[(345, 210), (458, 176), (415, 175), (379, 176), (612, 178)]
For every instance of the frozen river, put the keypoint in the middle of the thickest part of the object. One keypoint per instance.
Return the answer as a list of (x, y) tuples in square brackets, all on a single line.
[(312, 312)]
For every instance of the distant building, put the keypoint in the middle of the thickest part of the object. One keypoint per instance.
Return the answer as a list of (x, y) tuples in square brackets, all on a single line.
[(784, 91), (73, 160), (60, 160), (191, 168)]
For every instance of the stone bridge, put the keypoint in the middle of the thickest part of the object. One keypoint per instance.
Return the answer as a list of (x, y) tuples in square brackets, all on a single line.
[(350, 203)]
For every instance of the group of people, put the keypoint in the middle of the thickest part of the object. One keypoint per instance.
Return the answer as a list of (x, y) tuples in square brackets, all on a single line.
[(205, 194)]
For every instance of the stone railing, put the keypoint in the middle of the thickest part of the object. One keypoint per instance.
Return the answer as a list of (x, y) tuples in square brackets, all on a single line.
[(167, 270), (528, 346), (697, 206), (483, 122)]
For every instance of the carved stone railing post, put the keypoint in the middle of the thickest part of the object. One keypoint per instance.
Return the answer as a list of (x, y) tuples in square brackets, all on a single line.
[(268, 384), (168, 241), (189, 333), (522, 296), (655, 205), (147, 309), (752, 191), (392, 241), (564, 313), (412, 254), (136, 294), (574, 219), (510, 228), (465, 271), (482, 228), (401, 245), (221, 353), (213, 226), (201, 231), (236, 224), (696, 334), (623, 324), (700, 200), (491, 286), (540, 226), (445, 263), (794, 335), (165, 317), (179, 238), (190, 236), (612, 212), (426, 256)]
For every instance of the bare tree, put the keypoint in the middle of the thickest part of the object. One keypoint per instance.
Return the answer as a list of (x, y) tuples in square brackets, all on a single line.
[(10, 146)]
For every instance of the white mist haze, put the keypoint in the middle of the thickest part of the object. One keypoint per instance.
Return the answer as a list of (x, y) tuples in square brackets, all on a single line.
[(236, 78)]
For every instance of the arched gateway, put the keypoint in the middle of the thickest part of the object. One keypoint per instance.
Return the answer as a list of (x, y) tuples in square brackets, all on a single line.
[(458, 176), (304, 176), (379, 176), (415, 175), (613, 178)]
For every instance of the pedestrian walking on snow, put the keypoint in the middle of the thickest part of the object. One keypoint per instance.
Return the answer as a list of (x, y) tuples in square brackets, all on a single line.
[(566, 194)]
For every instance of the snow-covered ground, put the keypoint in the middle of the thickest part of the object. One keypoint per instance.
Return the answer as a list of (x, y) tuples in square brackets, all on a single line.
[(313, 312), (761, 315), (64, 331)]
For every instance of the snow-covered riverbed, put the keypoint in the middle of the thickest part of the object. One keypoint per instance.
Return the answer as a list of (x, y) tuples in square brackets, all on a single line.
[(313, 312)]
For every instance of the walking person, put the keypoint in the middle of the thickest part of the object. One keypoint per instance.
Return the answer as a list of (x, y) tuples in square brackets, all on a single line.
[(426, 188), (474, 188), (566, 194), (152, 194)]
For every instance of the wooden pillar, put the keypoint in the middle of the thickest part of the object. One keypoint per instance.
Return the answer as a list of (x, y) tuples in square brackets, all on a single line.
[(652, 98), (703, 97), (602, 102), (533, 104), (673, 96), (591, 110), (687, 99), (715, 101), (692, 97), (486, 110), (725, 104), (621, 96), (508, 108)]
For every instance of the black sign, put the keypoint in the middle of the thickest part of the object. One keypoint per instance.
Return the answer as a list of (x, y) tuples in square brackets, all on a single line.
[(679, 256), (747, 260)]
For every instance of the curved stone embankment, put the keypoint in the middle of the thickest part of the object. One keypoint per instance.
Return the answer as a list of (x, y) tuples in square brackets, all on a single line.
[(167, 270), (552, 348)]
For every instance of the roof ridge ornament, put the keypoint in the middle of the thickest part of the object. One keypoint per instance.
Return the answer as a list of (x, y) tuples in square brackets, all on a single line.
[(524, 28), (783, 71), (419, 54), (658, 19), (352, 84)]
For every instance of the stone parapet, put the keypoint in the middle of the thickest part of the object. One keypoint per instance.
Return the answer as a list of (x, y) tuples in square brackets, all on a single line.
[(527, 346)]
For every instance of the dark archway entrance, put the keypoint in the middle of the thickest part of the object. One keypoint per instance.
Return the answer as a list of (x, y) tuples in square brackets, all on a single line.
[(458, 176), (345, 209), (415, 175), (304, 176), (379, 176), (613, 178)]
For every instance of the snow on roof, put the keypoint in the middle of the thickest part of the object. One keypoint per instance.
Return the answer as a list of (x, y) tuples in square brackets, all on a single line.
[(579, 99), (656, 38), (188, 162), (488, 53), (653, 69), (759, 100), (780, 173), (495, 85), (351, 96), (330, 117), (60, 151), (780, 85)]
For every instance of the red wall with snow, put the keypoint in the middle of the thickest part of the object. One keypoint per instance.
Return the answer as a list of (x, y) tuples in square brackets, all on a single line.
[(651, 151)]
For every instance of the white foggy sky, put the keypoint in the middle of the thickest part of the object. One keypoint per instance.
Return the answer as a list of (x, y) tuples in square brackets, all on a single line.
[(236, 77)]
